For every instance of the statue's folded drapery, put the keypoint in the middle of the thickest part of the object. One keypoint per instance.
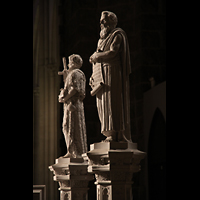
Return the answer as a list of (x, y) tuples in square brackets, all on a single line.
[(74, 127), (113, 102)]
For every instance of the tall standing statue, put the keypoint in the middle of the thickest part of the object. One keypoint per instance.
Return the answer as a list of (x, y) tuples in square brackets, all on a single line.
[(72, 96), (112, 59)]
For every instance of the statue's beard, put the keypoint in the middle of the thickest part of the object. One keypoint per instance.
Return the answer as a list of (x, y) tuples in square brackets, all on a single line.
[(104, 32)]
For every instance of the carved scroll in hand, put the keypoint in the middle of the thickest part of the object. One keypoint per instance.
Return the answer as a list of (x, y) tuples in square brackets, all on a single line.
[(96, 80)]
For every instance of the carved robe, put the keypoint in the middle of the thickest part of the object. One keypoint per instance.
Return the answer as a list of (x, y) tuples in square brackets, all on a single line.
[(113, 102), (74, 128)]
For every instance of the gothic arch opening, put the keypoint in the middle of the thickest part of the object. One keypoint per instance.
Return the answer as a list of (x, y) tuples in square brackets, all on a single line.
[(157, 157), (105, 194)]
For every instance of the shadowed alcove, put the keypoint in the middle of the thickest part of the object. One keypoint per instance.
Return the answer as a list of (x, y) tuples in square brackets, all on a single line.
[(157, 157)]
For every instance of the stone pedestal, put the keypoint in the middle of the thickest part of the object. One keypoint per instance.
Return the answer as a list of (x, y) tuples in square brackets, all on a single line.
[(113, 164), (73, 177)]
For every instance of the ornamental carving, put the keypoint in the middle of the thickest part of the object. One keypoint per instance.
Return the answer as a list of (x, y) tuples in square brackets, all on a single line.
[(102, 176)]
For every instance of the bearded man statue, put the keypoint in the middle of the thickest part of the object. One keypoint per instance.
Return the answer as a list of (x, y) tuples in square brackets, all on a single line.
[(112, 99)]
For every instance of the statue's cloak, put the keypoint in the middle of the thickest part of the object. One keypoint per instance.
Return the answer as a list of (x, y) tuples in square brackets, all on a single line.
[(116, 115)]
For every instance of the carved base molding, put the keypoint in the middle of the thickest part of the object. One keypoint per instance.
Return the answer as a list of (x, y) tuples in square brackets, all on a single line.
[(113, 164), (73, 178)]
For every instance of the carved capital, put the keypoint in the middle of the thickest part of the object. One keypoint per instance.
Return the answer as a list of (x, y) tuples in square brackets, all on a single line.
[(102, 176)]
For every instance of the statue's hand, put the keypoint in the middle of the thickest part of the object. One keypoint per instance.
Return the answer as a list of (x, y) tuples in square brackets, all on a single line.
[(91, 81), (90, 60), (94, 58), (71, 107), (60, 99), (61, 95)]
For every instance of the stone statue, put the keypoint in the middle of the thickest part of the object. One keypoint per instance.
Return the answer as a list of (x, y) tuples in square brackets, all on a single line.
[(112, 94), (72, 96)]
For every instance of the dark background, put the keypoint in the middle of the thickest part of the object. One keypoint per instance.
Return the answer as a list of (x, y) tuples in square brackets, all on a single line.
[(144, 22), (77, 32)]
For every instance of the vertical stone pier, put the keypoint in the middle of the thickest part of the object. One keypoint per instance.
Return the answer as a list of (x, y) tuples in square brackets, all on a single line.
[(113, 164), (72, 176)]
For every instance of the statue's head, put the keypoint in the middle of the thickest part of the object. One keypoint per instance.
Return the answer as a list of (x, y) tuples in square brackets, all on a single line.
[(75, 61), (108, 22), (108, 18)]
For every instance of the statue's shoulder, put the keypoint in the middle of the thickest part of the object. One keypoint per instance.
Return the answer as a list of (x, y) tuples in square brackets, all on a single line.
[(78, 73), (118, 31)]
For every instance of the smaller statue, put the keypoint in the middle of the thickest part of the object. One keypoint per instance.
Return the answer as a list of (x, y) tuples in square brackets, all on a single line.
[(72, 96)]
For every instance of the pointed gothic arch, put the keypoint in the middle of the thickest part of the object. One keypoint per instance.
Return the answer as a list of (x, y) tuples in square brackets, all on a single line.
[(154, 122), (157, 157), (105, 194)]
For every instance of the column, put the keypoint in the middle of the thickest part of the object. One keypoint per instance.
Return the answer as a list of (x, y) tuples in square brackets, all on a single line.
[(113, 164), (72, 176)]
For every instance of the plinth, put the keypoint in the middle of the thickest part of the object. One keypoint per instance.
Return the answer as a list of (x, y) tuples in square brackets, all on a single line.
[(72, 176), (113, 164)]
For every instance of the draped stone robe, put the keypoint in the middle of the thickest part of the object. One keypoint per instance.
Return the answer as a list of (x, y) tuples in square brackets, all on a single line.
[(74, 128), (113, 102)]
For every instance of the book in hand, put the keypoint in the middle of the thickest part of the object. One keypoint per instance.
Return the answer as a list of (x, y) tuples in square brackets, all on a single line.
[(96, 80)]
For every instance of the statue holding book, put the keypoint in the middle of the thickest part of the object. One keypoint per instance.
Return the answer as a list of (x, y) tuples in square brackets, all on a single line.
[(110, 79)]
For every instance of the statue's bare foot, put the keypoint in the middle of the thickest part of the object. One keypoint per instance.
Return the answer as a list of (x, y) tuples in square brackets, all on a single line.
[(109, 139), (68, 155)]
